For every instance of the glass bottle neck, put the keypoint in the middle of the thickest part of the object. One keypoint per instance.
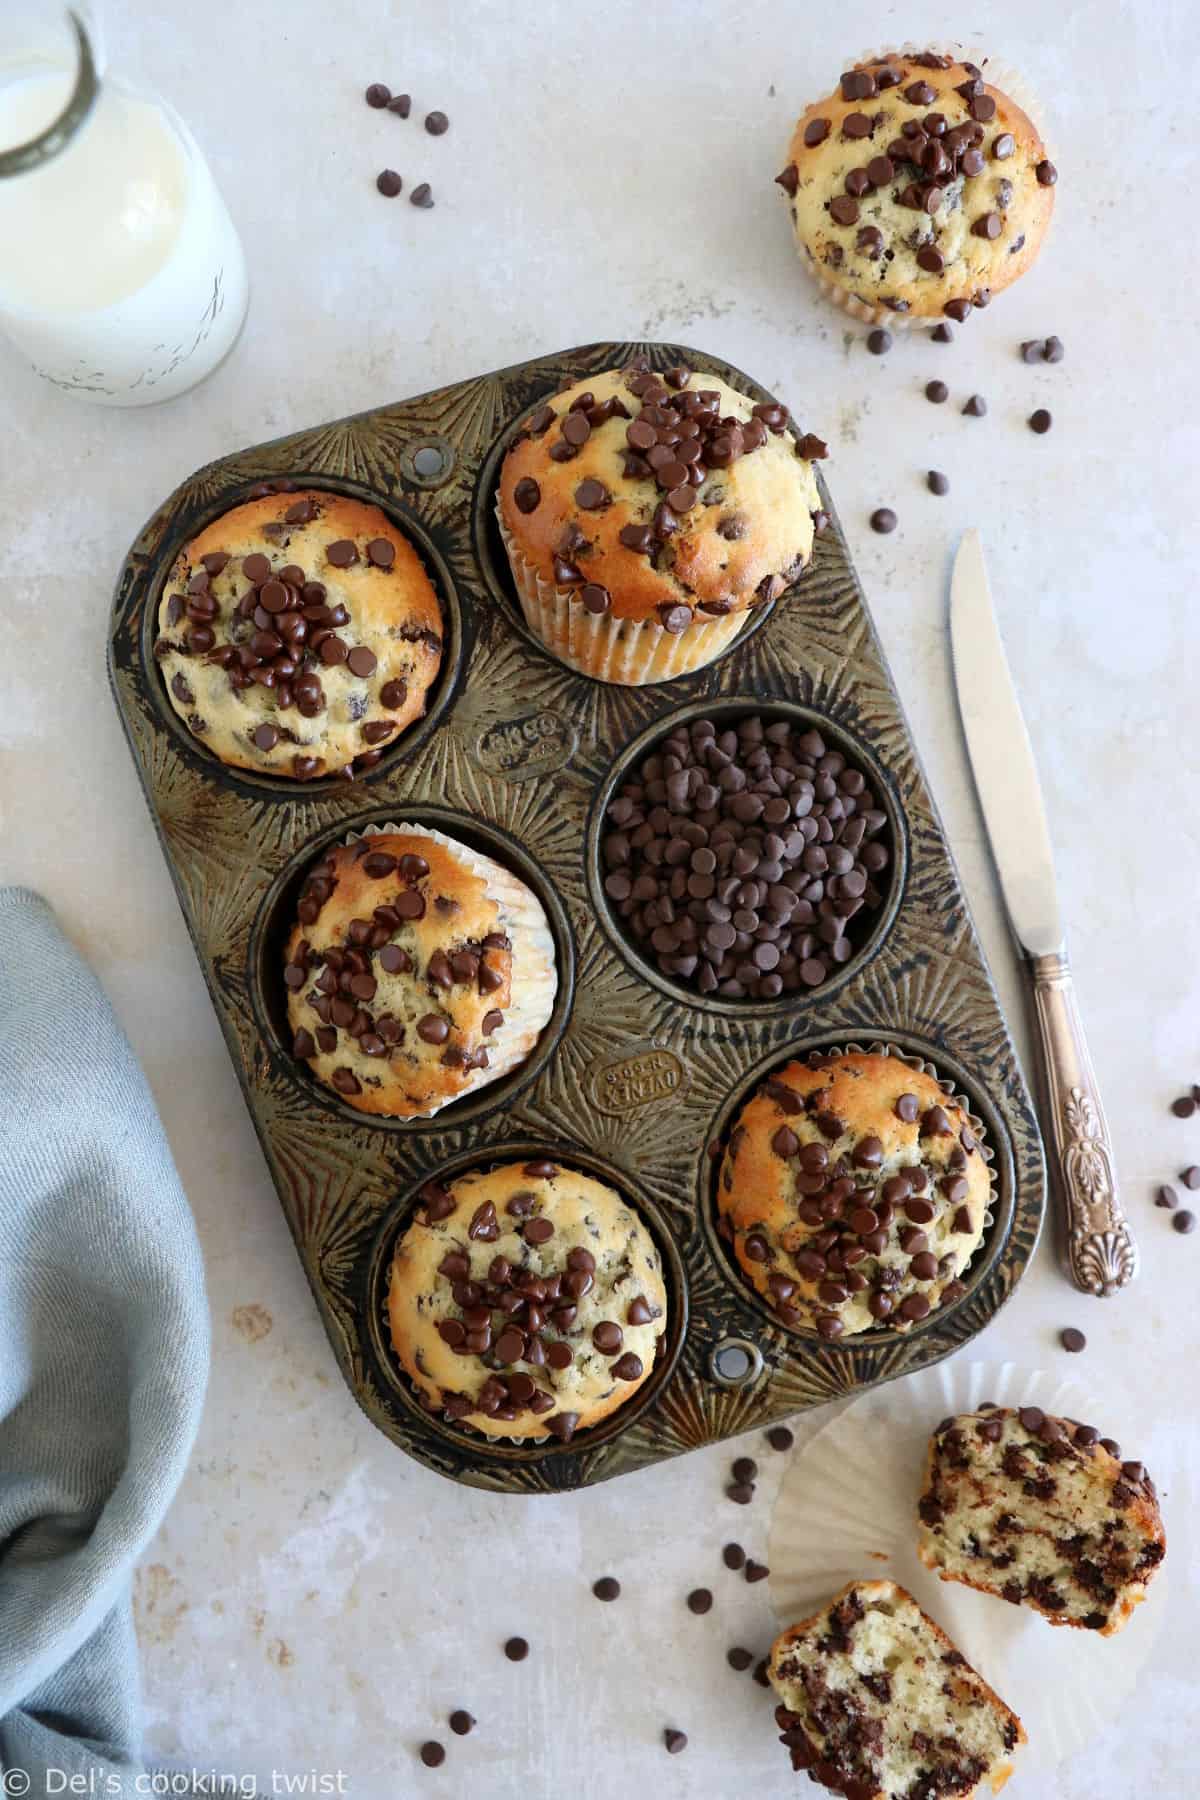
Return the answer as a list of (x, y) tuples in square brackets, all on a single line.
[(19, 159)]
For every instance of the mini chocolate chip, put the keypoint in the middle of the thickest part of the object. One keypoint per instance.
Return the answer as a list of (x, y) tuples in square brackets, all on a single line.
[(433, 1754), (461, 1722), (780, 1438), (607, 1588), (1040, 421), (700, 1601), (883, 519), (516, 1649)]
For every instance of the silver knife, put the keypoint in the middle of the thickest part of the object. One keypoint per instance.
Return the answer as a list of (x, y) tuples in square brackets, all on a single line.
[(1100, 1251)]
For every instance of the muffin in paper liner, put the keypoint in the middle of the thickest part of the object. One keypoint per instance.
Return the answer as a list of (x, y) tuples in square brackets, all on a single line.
[(533, 980), (806, 1292), (997, 74), (630, 652), (622, 1263), (847, 1511)]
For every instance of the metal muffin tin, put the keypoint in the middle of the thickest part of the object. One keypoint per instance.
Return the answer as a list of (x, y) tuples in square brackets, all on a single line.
[(635, 1075)]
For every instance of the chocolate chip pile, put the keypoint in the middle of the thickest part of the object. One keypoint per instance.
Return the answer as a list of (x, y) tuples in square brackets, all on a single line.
[(676, 437), (516, 1315), (342, 992), (740, 857), (281, 633)]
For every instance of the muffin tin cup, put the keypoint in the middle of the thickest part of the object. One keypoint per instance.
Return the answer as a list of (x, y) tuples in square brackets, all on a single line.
[(633, 1075), (984, 1121), (996, 74), (460, 1434)]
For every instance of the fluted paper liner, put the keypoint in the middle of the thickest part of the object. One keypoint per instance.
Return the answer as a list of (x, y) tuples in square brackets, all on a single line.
[(534, 982), (996, 74), (630, 652), (847, 1511)]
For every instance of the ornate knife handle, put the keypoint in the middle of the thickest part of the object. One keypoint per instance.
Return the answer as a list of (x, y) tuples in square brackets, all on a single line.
[(1101, 1253)]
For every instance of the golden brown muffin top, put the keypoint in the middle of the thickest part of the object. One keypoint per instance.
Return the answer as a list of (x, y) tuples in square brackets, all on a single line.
[(662, 497), (299, 634), (854, 1192), (919, 187)]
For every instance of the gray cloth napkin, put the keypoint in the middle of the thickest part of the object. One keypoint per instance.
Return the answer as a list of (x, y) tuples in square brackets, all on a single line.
[(103, 1362)]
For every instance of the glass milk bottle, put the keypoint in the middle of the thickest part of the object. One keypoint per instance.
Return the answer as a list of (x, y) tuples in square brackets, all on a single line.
[(122, 279)]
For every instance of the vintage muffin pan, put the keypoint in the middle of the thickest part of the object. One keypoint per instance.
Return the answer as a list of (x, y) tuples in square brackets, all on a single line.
[(636, 1074)]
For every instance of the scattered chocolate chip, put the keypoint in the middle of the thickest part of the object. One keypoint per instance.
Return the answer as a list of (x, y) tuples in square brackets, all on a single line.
[(740, 1492), (937, 483), (879, 341), (422, 195), (461, 1722), (433, 1754), (607, 1588), (937, 391), (780, 1438), (377, 95), (883, 519), (1184, 1107), (1054, 351), (1166, 1197), (516, 1649), (388, 183), (1072, 1339), (1046, 173), (1184, 1221), (675, 1741), (400, 104), (756, 1571), (976, 407), (745, 1469), (700, 1601), (942, 334), (436, 123), (733, 1556), (739, 1659), (1040, 421)]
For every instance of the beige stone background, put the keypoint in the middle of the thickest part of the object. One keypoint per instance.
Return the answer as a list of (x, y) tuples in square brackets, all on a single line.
[(314, 1599)]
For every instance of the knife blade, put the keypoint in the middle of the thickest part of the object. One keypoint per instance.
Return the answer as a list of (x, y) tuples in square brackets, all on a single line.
[(1100, 1251), (1002, 756)]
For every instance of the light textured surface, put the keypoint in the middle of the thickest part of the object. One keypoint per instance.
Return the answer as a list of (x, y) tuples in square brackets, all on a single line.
[(315, 1598)]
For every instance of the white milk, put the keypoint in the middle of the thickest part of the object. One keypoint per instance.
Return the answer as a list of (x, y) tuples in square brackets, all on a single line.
[(122, 278)]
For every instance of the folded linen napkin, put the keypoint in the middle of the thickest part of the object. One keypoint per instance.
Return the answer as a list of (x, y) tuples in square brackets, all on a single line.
[(103, 1362)]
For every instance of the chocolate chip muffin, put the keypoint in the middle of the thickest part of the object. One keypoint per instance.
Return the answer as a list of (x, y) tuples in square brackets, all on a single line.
[(917, 188), (299, 635), (644, 515), (1041, 1512), (417, 971), (526, 1301), (853, 1191), (878, 1704)]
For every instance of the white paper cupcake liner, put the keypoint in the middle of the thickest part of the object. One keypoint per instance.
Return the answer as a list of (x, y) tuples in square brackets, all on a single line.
[(629, 652), (997, 74), (847, 1511), (534, 982)]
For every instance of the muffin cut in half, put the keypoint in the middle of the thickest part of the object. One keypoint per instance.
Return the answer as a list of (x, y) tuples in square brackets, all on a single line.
[(1042, 1512), (877, 1704)]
